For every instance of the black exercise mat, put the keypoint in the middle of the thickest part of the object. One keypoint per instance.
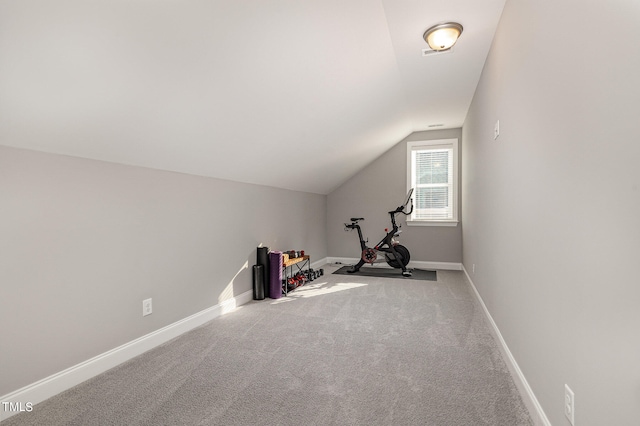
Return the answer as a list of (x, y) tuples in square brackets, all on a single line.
[(417, 274)]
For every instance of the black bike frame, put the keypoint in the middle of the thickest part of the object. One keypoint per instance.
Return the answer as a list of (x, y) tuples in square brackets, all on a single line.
[(394, 230), (386, 241)]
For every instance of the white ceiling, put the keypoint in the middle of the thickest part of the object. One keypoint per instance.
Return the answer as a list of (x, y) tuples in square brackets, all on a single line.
[(297, 94)]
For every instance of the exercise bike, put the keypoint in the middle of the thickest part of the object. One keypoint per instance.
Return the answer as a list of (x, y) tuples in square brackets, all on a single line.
[(396, 255)]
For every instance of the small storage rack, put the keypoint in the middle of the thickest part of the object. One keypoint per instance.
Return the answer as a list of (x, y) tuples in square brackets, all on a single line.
[(297, 272)]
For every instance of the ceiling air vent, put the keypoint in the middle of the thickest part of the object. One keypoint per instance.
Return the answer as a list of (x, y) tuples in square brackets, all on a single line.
[(430, 52)]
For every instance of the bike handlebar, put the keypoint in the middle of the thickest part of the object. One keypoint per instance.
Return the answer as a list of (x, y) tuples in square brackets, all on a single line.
[(410, 211), (400, 209)]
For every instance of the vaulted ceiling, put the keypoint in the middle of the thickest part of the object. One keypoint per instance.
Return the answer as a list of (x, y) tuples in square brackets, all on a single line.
[(297, 94)]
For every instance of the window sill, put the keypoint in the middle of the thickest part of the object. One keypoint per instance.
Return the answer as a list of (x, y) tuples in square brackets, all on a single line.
[(432, 223)]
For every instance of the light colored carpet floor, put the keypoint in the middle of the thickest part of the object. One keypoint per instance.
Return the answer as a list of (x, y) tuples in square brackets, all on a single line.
[(340, 351)]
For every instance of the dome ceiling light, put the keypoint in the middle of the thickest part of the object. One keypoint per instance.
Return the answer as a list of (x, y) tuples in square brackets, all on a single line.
[(443, 36)]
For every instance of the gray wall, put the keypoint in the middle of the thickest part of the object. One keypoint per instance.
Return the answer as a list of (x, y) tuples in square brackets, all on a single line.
[(379, 188), (84, 242), (552, 208)]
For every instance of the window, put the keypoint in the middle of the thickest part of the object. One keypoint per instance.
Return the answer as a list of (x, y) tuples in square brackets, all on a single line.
[(432, 171)]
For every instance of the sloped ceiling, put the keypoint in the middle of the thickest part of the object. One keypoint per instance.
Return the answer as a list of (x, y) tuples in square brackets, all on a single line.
[(286, 93)]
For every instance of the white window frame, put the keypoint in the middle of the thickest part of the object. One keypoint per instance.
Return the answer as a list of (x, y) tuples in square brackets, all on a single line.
[(432, 145)]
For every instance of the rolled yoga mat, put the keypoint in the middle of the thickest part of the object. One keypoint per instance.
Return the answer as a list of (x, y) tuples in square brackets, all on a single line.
[(275, 279), (263, 259), (258, 282)]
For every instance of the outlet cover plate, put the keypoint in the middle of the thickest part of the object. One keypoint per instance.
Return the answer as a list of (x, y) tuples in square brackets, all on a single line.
[(569, 404), (147, 307)]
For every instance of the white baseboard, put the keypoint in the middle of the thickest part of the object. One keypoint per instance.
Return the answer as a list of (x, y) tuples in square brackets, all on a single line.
[(319, 263), (447, 266), (72, 376), (529, 398), (450, 266), (342, 260)]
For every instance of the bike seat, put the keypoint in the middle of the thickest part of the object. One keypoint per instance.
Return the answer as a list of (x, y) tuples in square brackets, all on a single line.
[(355, 219)]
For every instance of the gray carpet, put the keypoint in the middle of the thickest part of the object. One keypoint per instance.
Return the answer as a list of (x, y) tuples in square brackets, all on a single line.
[(339, 351), (365, 271)]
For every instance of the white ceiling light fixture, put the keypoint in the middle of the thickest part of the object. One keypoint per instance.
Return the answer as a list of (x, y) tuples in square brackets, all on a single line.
[(442, 36)]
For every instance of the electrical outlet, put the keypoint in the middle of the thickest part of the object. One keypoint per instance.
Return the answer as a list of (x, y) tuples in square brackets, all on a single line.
[(569, 404), (473, 268), (147, 307)]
